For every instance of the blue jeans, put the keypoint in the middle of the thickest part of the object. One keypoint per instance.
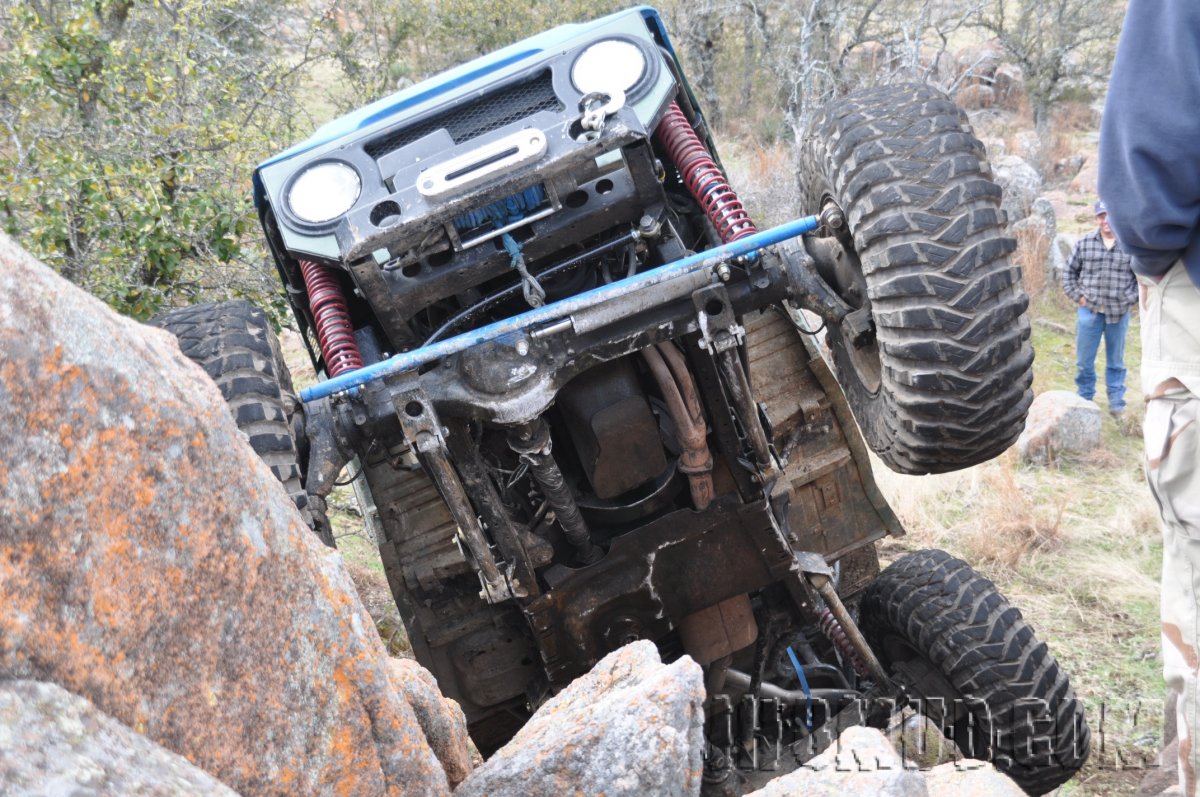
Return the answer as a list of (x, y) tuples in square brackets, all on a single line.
[(1090, 326)]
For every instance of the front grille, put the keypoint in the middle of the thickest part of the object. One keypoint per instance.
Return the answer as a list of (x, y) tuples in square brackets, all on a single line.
[(479, 116)]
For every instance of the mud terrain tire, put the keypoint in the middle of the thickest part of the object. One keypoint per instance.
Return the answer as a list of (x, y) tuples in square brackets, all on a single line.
[(932, 615), (235, 344), (947, 384)]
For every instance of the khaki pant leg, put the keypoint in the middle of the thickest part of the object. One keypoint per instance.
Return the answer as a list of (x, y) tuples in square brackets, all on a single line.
[(1172, 433), (1170, 311)]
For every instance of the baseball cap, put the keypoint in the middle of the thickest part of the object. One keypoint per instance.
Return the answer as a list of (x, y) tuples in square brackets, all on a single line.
[(1101, 207)]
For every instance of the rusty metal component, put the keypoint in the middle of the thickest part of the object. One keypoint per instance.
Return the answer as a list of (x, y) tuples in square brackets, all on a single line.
[(809, 285), (702, 474), (719, 630), (827, 279), (531, 441), (743, 401), (614, 432), (521, 578), (425, 436), (672, 567), (716, 319), (824, 586), (331, 441), (833, 631), (835, 506), (792, 697), (714, 676), (683, 402), (832, 215)]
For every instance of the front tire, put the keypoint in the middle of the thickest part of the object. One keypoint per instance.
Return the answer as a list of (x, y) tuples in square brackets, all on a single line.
[(943, 630), (236, 346), (947, 382)]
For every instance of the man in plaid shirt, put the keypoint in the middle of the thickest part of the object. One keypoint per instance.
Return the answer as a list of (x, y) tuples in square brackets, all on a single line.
[(1099, 279)]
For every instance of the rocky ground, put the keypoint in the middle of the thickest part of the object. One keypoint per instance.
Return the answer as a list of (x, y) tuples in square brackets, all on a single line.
[(170, 630)]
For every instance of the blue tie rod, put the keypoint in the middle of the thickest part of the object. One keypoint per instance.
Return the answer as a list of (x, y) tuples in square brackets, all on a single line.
[(407, 361)]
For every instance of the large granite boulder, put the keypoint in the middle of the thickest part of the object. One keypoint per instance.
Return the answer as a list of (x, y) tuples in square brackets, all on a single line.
[(861, 762), (1020, 182), (441, 720), (1009, 82), (969, 778), (977, 63), (865, 764), (1059, 422), (919, 740), (1087, 179), (54, 742), (632, 726), (150, 562), (975, 96), (1060, 254)]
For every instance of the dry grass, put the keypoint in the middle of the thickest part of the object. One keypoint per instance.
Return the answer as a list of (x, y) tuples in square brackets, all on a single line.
[(1070, 124), (989, 514), (1074, 117), (765, 178), (1032, 255)]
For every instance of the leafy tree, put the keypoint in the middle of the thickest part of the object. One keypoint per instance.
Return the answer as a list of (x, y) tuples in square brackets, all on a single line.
[(799, 53), (1055, 42), (131, 131), (380, 46)]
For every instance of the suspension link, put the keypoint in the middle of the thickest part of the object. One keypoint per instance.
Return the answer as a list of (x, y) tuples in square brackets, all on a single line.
[(531, 442)]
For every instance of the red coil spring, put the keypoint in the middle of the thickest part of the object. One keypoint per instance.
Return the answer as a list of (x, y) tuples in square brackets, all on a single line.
[(832, 629), (702, 177), (331, 317)]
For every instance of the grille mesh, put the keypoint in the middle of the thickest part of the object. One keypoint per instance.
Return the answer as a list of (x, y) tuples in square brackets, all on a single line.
[(476, 117)]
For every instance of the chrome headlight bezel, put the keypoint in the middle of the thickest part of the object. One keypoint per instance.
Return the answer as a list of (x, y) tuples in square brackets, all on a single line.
[(336, 182), (634, 86)]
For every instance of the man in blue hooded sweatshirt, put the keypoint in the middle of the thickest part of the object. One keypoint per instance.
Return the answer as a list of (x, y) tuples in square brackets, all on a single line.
[(1150, 177)]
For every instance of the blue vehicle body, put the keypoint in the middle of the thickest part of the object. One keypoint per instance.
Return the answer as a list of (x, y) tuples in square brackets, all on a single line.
[(456, 83), (461, 80), (571, 384)]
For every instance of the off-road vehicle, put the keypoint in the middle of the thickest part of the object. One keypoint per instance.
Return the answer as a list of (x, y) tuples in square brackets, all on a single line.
[(580, 395)]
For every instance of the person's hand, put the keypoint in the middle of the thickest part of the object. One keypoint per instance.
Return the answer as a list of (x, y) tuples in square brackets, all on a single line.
[(1082, 302)]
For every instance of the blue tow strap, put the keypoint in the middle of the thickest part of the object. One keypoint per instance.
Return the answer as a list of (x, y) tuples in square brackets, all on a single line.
[(803, 687)]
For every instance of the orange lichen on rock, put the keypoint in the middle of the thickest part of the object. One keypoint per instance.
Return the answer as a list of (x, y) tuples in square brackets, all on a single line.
[(150, 563)]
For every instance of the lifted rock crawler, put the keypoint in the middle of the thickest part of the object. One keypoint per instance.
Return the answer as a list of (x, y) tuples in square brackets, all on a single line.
[(575, 386)]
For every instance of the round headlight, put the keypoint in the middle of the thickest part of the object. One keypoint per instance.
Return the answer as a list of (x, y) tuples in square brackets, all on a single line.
[(612, 64), (323, 192)]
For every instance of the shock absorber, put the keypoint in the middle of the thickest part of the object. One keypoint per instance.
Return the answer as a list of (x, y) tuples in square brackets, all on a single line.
[(832, 630), (703, 177), (331, 318)]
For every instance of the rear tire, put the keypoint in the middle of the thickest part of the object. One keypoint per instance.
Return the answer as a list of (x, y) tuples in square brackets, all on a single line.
[(942, 629), (236, 346), (947, 382)]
